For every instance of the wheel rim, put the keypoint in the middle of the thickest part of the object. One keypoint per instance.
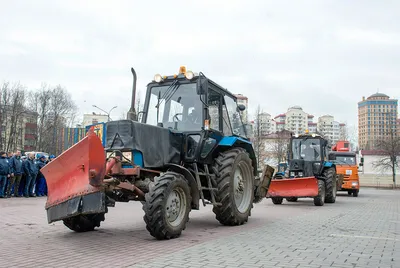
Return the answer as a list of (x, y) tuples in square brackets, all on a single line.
[(176, 207), (242, 191)]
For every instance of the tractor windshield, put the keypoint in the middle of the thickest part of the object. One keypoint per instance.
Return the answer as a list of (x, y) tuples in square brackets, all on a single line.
[(175, 106), (306, 149)]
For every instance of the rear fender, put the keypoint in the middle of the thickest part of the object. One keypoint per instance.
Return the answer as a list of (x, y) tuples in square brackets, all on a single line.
[(232, 141)]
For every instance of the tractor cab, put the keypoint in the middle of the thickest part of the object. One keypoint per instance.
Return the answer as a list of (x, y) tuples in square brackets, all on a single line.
[(189, 102), (307, 155)]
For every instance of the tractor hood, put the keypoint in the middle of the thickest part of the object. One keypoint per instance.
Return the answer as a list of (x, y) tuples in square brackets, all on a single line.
[(158, 146)]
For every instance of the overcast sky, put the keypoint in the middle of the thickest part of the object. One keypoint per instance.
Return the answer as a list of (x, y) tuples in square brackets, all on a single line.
[(323, 55)]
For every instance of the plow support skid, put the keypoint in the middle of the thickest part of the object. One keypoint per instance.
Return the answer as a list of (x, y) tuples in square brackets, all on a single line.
[(293, 187), (74, 180)]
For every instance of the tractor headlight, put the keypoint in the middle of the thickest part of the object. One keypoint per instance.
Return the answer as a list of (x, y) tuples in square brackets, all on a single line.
[(189, 75), (127, 155), (291, 174), (158, 78), (300, 174)]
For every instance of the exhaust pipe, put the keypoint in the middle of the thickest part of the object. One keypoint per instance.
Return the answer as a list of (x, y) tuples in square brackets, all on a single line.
[(132, 112)]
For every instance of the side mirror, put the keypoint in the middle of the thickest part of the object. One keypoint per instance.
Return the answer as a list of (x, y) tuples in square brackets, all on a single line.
[(202, 85), (241, 107)]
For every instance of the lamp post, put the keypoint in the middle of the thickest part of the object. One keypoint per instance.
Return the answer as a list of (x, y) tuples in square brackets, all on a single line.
[(108, 114)]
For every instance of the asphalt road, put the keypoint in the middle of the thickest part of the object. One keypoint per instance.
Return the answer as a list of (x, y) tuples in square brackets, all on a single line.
[(353, 232)]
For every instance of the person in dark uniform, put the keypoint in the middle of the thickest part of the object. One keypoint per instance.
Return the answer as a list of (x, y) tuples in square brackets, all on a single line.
[(5, 173), (16, 170), (30, 175), (40, 180)]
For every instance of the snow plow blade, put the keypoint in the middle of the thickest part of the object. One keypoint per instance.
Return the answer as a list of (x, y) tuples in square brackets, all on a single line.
[(293, 187), (74, 180)]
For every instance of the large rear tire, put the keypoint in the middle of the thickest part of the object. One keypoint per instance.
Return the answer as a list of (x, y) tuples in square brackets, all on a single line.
[(84, 223), (167, 206), (330, 184), (320, 199), (235, 182)]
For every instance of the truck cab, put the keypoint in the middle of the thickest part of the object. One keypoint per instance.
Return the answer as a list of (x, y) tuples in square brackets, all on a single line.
[(346, 164)]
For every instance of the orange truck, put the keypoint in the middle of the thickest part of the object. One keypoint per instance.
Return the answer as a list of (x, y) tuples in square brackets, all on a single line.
[(346, 164)]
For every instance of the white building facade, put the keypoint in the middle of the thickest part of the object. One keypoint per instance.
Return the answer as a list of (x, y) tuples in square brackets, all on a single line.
[(93, 118)]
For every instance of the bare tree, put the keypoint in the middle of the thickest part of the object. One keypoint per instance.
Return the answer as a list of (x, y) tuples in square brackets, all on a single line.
[(280, 145), (56, 110), (389, 149), (13, 98)]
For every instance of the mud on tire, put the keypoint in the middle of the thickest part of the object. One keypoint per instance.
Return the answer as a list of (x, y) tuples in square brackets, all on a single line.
[(167, 206), (330, 185), (84, 223), (234, 174)]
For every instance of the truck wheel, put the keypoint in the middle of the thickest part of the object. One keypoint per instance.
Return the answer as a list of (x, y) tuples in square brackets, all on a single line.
[(349, 192), (235, 182), (167, 206), (330, 184), (291, 199), (355, 193), (84, 223), (277, 200), (320, 199)]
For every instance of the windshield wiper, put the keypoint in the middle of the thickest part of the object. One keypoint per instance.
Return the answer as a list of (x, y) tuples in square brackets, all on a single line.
[(170, 92)]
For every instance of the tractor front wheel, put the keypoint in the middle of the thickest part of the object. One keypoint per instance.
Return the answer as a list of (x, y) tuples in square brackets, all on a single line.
[(235, 182), (291, 199), (84, 223), (277, 200), (330, 184), (167, 206), (319, 200)]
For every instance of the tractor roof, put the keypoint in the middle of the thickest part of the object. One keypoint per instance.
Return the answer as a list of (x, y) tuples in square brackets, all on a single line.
[(188, 77)]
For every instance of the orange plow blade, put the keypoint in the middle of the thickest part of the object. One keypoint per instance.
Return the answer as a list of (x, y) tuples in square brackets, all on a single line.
[(293, 187), (74, 180)]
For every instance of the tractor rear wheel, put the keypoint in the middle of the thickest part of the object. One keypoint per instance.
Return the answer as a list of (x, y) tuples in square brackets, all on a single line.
[(277, 200), (330, 184), (167, 206), (84, 223), (319, 200), (235, 182), (291, 199)]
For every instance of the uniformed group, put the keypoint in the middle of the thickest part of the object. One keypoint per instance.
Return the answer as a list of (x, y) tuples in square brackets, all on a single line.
[(21, 176)]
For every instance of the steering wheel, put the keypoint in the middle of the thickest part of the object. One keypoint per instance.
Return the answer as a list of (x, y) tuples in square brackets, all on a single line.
[(176, 116)]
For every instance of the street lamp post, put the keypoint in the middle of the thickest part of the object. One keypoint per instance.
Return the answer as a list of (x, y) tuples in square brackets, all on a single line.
[(108, 114)]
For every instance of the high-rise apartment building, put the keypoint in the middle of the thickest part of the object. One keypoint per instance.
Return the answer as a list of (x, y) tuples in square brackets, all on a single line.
[(377, 119), (264, 124), (295, 120), (331, 129)]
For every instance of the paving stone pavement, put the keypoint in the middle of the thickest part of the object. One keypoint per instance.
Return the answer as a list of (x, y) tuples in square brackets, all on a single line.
[(354, 232)]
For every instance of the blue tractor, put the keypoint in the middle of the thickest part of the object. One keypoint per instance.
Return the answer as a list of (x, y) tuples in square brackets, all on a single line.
[(189, 146), (308, 175)]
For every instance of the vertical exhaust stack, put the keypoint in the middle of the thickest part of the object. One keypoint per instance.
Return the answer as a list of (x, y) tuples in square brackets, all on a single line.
[(132, 112)]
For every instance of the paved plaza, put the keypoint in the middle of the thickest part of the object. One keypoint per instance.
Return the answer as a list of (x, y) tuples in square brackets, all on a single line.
[(353, 232)]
